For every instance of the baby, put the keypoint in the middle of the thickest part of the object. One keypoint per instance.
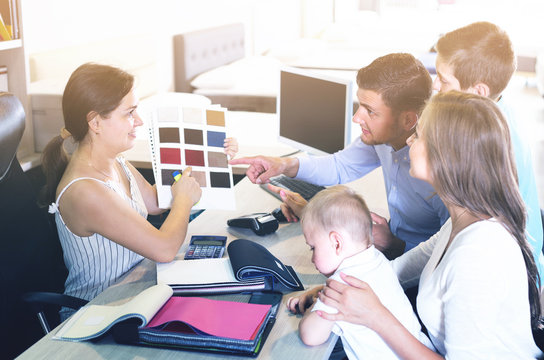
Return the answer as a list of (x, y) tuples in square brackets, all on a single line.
[(338, 228)]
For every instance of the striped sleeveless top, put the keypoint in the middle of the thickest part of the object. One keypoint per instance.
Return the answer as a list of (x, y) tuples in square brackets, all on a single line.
[(95, 262)]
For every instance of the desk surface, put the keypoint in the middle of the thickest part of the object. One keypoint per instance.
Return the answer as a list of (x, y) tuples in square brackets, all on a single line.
[(287, 243)]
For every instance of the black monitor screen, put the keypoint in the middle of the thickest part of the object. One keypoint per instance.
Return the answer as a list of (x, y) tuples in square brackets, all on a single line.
[(315, 111)]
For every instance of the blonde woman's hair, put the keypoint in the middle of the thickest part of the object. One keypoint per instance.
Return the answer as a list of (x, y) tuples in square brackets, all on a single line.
[(339, 208), (472, 166), (479, 52)]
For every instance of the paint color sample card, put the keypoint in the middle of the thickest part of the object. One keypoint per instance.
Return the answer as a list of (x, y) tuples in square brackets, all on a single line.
[(192, 136)]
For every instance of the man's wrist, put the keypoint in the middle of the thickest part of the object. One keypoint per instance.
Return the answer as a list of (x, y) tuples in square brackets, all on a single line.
[(291, 166)]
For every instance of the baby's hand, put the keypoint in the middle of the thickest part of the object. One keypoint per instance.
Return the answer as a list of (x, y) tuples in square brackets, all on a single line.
[(231, 147), (292, 305), (299, 304)]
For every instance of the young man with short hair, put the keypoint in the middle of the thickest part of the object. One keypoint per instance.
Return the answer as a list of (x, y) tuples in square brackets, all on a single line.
[(479, 59), (392, 92)]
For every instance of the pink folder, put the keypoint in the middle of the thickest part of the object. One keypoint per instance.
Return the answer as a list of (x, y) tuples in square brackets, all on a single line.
[(214, 317)]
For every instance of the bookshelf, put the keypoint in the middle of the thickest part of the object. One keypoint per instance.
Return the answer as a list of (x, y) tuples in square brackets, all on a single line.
[(11, 44), (13, 56)]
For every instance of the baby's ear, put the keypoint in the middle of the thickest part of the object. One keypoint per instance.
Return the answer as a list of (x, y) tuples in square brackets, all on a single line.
[(337, 241)]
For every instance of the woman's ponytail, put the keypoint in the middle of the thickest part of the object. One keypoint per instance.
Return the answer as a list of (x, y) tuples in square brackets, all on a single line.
[(54, 162)]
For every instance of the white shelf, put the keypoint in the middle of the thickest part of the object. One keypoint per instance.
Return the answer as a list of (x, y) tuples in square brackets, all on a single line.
[(12, 55), (11, 44)]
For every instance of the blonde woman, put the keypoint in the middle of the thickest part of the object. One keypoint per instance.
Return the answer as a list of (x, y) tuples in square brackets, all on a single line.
[(478, 294)]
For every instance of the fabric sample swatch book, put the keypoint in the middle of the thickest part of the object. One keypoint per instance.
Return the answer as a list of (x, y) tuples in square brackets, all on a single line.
[(156, 318), (182, 136), (249, 267)]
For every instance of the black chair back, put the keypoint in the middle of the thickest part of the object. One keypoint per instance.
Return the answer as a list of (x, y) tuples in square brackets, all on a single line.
[(30, 252)]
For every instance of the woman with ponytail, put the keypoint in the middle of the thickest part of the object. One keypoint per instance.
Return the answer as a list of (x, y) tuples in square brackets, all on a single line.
[(100, 201), (478, 283)]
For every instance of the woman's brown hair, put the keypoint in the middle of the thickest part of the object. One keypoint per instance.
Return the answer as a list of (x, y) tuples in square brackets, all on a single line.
[(467, 138), (91, 88)]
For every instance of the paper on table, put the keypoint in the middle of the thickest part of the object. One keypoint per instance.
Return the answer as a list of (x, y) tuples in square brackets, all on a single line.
[(215, 317), (202, 271)]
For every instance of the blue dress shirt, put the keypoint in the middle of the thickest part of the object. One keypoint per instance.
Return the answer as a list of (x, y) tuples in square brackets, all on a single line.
[(527, 185), (416, 211)]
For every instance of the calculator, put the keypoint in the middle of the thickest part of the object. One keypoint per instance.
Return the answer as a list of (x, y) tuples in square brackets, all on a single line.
[(205, 247)]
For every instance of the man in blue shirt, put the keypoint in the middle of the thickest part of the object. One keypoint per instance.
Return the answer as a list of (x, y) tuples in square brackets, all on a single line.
[(392, 92), (479, 59)]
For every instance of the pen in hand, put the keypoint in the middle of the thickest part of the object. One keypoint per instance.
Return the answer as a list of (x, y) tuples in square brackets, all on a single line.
[(176, 174)]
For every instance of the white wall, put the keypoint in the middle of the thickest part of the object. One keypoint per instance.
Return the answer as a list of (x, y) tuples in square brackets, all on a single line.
[(54, 24), (58, 23)]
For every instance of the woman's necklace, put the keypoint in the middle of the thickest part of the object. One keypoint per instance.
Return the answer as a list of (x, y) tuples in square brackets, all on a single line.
[(464, 220), (456, 229), (103, 173), (459, 219)]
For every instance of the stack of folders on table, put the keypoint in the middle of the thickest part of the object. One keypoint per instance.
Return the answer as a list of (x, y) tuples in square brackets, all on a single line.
[(249, 267), (156, 318)]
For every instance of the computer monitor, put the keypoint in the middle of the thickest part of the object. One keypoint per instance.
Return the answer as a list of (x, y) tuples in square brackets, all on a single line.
[(314, 110)]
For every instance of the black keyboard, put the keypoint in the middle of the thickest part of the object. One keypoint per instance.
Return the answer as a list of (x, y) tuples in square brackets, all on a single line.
[(305, 189)]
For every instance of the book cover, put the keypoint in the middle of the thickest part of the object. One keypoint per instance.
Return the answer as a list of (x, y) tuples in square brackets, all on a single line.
[(92, 321), (4, 78), (251, 260), (14, 19), (8, 12), (182, 136), (6, 15), (4, 32)]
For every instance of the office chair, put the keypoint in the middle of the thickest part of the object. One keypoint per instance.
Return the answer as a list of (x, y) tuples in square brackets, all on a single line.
[(30, 252)]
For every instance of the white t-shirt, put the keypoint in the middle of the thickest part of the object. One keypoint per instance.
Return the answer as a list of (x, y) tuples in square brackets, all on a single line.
[(474, 303), (359, 341)]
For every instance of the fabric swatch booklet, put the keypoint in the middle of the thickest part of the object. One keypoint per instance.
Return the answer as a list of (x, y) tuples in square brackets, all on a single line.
[(156, 318), (182, 136), (249, 267)]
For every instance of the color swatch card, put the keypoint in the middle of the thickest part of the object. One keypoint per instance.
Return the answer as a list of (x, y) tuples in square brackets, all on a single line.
[(192, 136)]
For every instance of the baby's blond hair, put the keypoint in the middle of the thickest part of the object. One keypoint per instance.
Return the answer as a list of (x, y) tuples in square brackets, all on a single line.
[(339, 208)]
